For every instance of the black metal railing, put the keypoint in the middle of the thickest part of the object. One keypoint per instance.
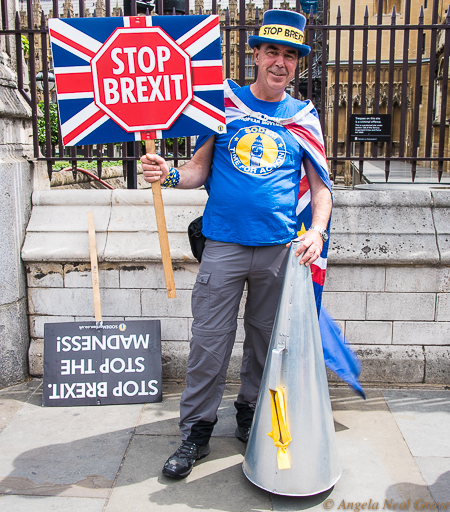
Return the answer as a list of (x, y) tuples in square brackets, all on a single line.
[(405, 57), (418, 72)]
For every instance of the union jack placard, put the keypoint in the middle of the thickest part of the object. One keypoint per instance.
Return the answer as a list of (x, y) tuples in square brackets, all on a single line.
[(96, 108)]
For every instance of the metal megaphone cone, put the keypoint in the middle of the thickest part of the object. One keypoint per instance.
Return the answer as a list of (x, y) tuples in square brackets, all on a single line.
[(292, 446)]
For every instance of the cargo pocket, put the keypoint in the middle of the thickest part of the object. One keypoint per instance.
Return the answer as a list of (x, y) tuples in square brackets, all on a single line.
[(201, 297)]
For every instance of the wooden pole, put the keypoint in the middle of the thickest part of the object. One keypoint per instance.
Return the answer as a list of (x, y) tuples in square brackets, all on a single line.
[(94, 268), (162, 230)]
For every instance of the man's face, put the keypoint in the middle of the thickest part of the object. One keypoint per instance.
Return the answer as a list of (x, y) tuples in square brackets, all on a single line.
[(276, 65)]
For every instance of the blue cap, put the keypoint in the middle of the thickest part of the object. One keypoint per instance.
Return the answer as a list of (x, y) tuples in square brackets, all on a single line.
[(282, 27)]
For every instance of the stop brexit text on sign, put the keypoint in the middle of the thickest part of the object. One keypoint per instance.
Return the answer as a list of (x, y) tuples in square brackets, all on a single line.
[(137, 78), (142, 86), (118, 363)]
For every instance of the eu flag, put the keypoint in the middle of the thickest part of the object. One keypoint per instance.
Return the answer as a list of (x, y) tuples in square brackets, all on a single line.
[(338, 355)]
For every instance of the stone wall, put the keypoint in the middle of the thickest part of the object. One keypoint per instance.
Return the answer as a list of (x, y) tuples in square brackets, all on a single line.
[(18, 176), (388, 282)]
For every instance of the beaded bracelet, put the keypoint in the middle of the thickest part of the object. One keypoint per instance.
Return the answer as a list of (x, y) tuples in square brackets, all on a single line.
[(173, 178)]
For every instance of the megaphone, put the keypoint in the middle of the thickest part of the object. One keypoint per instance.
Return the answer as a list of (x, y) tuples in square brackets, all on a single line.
[(292, 445)]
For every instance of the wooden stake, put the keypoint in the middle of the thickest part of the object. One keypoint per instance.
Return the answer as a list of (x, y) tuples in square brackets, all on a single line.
[(162, 230), (94, 268)]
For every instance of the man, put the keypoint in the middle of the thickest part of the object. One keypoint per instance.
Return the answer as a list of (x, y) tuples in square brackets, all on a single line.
[(252, 174)]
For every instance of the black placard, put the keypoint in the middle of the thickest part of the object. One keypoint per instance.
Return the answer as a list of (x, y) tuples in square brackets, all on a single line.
[(117, 363), (370, 128)]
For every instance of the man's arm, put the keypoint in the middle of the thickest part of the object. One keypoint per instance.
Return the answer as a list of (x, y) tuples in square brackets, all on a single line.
[(193, 174), (321, 204)]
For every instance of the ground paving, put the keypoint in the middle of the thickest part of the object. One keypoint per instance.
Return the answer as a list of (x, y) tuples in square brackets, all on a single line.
[(394, 450), (400, 173)]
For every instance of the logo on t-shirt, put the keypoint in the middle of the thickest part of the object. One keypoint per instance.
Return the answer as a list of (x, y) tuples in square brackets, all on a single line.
[(257, 150)]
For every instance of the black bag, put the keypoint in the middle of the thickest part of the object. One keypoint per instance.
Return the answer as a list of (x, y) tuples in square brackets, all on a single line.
[(196, 238)]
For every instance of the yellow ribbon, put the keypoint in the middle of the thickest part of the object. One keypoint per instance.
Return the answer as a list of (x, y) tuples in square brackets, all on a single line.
[(280, 433)]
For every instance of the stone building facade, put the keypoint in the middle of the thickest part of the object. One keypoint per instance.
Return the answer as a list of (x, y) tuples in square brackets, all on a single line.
[(230, 17), (354, 96), (439, 90)]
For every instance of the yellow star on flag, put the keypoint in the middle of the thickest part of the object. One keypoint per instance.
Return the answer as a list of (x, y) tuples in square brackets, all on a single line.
[(302, 230)]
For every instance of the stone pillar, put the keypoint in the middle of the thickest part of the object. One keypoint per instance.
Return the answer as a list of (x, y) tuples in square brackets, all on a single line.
[(16, 185)]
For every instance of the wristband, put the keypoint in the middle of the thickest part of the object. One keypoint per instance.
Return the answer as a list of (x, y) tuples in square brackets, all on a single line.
[(173, 178)]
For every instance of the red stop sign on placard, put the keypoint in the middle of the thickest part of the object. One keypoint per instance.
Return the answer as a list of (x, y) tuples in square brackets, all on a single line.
[(142, 79)]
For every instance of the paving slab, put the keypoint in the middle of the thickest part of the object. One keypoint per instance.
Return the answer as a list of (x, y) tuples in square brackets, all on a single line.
[(64, 451), (12, 399), (423, 418), (163, 417), (436, 473), (109, 458), (50, 504), (216, 484), (376, 462)]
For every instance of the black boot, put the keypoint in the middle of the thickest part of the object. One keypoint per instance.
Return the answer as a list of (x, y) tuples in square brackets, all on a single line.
[(244, 418), (179, 464), (242, 433)]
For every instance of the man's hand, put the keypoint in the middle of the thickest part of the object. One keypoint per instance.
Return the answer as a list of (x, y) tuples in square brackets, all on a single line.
[(193, 173), (154, 168), (310, 248)]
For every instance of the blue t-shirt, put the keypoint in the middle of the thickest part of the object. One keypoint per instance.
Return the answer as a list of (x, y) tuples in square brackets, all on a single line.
[(254, 180)]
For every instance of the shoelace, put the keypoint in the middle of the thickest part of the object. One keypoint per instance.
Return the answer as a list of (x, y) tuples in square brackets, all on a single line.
[(185, 449)]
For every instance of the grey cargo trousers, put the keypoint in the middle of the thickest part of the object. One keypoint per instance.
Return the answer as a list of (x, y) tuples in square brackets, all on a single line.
[(224, 270)]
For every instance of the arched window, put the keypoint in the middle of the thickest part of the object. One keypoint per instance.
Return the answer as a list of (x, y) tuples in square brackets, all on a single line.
[(388, 5)]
